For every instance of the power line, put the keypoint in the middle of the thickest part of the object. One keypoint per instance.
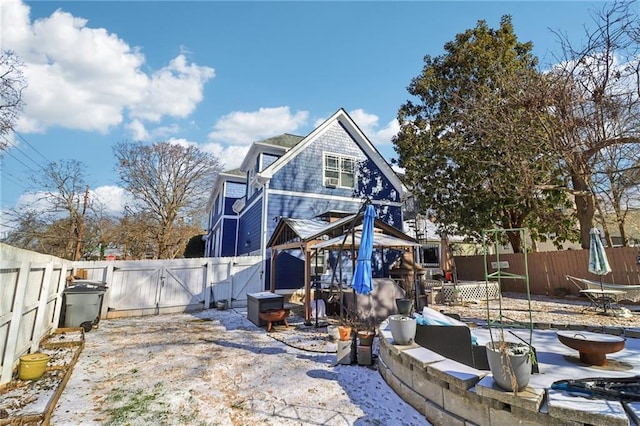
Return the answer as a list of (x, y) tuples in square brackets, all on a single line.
[(19, 161), (18, 148), (14, 181), (32, 147)]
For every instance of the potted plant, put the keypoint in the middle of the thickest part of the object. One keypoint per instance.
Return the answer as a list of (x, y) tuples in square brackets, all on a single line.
[(365, 330), (403, 329), (511, 363), (346, 350), (404, 305)]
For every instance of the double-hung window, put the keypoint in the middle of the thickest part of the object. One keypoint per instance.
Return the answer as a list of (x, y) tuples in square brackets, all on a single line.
[(339, 171)]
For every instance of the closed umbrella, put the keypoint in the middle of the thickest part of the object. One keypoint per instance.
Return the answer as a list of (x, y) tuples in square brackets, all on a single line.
[(361, 281), (598, 263)]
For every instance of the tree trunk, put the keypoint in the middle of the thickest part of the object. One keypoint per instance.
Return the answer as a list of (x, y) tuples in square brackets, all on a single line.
[(585, 208), (516, 241)]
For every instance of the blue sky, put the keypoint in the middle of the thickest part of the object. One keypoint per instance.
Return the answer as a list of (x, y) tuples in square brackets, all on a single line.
[(225, 74)]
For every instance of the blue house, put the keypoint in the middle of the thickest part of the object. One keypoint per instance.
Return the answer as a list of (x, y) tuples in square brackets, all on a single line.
[(323, 176)]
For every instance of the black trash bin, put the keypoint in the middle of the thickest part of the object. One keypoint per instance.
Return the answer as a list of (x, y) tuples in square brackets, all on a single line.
[(82, 303)]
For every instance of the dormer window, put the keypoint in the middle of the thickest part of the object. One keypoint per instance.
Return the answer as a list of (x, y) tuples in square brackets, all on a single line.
[(339, 171)]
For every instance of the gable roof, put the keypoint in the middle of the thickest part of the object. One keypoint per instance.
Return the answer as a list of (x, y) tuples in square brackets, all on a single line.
[(343, 118), (276, 145), (233, 174)]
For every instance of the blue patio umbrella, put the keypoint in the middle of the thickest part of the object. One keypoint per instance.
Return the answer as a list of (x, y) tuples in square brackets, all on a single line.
[(361, 281)]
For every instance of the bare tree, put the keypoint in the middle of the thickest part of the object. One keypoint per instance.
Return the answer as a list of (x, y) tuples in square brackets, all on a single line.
[(594, 97), (65, 193), (12, 83), (170, 183)]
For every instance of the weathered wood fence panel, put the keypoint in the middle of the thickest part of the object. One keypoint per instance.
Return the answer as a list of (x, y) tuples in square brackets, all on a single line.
[(32, 286), (547, 270)]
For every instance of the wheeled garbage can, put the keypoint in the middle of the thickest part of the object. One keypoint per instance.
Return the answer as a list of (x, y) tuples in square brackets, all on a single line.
[(82, 303)]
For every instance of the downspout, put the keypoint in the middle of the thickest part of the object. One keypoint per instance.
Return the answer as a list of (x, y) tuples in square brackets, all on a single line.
[(265, 213)]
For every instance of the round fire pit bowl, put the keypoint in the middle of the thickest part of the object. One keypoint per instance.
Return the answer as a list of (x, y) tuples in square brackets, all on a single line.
[(275, 315), (593, 347)]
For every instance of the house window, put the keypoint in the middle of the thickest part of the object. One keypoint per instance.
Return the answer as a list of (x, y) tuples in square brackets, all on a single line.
[(339, 171)]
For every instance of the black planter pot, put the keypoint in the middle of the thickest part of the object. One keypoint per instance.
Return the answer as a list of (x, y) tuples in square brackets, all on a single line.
[(404, 306)]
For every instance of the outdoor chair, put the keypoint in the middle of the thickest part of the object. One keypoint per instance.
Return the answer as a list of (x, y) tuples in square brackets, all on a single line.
[(450, 338), (632, 292)]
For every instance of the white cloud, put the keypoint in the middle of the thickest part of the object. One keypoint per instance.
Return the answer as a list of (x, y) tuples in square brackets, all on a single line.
[(244, 128), (111, 198), (230, 156), (88, 79), (36, 201), (137, 130), (181, 142), (175, 90), (368, 123)]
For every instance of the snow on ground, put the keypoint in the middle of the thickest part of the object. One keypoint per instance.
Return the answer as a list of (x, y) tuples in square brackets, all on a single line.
[(216, 367)]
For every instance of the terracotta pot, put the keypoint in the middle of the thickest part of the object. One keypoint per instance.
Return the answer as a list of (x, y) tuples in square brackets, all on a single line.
[(345, 332), (366, 337)]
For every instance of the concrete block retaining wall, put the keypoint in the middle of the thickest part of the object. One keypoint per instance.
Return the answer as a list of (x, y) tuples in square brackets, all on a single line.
[(449, 393)]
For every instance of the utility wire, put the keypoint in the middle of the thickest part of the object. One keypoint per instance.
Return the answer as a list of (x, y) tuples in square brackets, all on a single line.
[(32, 147), (20, 161)]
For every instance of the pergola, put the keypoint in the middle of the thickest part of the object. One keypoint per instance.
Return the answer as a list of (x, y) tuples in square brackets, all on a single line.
[(309, 235)]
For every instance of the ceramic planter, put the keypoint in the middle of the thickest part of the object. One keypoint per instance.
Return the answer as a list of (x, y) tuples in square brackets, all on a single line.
[(32, 366), (332, 331), (510, 364), (404, 306), (403, 329)]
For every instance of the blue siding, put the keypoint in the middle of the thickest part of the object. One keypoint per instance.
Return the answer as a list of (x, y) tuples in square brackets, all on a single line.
[(268, 159), (307, 208), (305, 172), (229, 227), (289, 270), (249, 229)]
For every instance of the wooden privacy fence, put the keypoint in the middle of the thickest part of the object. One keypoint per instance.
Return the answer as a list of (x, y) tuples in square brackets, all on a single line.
[(32, 288), (547, 270)]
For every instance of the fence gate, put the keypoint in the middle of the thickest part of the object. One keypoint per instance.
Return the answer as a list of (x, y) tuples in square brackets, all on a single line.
[(152, 288), (234, 280)]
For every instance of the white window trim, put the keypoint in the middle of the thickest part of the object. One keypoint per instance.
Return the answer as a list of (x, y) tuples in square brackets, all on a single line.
[(340, 157)]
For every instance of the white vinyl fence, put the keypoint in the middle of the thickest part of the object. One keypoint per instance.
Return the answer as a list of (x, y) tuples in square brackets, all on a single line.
[(32, 286)]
